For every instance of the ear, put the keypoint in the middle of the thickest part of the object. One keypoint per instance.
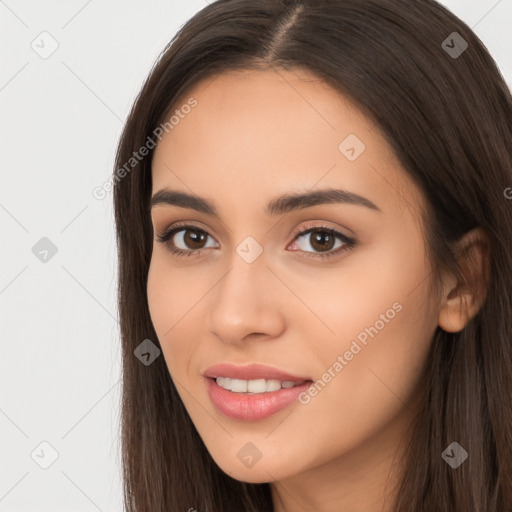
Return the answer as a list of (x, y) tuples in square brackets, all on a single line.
[(462, 299)]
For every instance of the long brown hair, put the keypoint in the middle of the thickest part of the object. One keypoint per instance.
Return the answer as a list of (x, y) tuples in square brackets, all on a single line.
[(447, 113)]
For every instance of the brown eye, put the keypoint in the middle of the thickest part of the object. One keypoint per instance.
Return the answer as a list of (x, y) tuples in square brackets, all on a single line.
[(193, 239), (322, 240), (185, 240), (325, 242)]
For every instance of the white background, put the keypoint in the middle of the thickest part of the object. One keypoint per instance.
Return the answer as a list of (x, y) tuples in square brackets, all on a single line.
[(61, 118)]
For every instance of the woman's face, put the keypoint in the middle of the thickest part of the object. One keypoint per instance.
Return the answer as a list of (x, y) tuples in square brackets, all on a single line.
[(352, 319)]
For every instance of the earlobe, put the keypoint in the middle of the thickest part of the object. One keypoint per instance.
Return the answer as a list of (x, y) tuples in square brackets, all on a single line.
[(463, 298), (454, 314)]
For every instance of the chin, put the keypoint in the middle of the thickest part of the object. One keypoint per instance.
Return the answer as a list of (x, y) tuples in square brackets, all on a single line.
[(262, 471), (250, 475)]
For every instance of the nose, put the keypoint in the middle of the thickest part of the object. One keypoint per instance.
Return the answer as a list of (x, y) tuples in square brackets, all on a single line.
[(248, 303)]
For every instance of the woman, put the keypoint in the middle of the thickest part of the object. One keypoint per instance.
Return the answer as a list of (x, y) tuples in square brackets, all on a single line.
[(314, 238)]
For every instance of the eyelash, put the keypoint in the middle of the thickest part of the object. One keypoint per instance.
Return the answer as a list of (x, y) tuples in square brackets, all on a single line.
[(349, 243)]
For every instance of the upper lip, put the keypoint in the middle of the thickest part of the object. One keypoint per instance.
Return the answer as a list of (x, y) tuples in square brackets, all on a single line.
[(250, 372)]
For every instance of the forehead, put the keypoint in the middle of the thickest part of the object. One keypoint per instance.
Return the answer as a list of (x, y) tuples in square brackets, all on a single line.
[(258, 133)]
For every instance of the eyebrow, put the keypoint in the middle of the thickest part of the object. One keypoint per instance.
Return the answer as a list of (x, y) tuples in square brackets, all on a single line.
[(277, 206)]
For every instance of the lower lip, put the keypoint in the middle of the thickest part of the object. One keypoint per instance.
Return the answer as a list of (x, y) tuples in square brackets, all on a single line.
[(252, 407)]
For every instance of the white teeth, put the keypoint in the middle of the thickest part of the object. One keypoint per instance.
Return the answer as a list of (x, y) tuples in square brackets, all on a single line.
[(224, 382), (255, 386), (273, 385), (239, 386)]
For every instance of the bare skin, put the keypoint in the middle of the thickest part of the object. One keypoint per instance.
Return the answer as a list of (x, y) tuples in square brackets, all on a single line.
[(255, 136)]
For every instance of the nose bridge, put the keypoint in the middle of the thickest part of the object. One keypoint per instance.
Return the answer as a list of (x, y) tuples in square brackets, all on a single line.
[(245, 301)]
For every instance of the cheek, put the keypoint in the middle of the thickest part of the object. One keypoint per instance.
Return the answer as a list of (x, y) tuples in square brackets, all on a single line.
[(377, 309), (383, 336), (169, 301), (375, 381), (171, 292), (160, 299), (367, 288)]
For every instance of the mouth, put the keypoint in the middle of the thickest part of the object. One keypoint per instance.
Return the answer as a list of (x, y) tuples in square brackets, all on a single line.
[(252, 392)]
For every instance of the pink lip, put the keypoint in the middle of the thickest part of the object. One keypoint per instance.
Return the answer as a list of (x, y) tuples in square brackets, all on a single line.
[(247, 407), (250, 372), (252, 407)]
